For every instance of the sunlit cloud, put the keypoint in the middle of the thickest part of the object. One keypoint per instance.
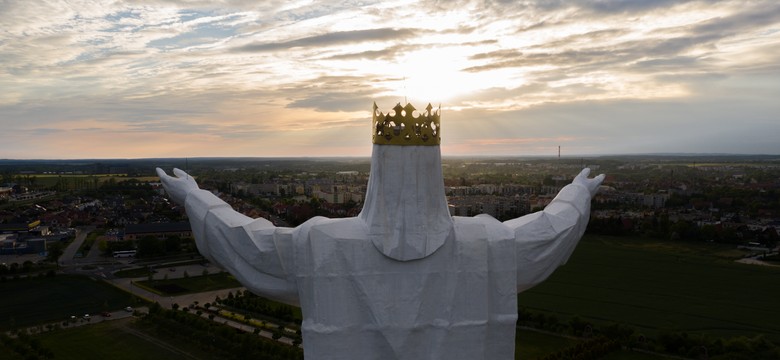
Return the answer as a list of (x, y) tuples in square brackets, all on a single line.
[(242, 78)]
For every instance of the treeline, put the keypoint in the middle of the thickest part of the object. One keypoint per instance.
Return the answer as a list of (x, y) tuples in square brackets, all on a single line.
[(261, 307), (659, 226), (23, 347), (609, 338), (28, 268), (221, 341)]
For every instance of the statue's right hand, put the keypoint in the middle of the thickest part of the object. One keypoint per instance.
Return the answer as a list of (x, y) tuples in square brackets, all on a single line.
[(592, 184), (177, 187)]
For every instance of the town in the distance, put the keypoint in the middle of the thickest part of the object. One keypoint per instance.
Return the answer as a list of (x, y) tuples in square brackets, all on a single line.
[(110, 221)]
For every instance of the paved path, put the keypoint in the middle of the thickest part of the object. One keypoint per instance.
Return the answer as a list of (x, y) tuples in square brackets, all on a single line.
[(247, 328), (167, 301), (755, 261), (94, 254), (190, 299)]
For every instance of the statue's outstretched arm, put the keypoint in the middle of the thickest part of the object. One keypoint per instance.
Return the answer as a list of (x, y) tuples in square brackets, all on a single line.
[(546, 239), (255, 251)]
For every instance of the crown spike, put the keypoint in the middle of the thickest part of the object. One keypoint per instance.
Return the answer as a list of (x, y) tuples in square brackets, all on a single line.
[(403, 128)]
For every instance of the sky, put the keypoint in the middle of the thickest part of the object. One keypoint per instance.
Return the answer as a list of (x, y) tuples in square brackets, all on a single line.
[(175, 78)]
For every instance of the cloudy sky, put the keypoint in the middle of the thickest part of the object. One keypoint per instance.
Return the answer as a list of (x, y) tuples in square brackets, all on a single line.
[(190, 78)]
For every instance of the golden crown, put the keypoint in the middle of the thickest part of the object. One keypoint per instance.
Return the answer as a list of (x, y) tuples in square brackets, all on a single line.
[(403, 128)]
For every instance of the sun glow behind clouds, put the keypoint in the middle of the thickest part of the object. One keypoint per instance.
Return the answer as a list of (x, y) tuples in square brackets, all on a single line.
[(436, 75)]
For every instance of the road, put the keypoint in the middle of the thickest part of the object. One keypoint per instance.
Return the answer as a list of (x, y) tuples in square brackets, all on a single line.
[(94, 254), (81, 320), (67, 256)]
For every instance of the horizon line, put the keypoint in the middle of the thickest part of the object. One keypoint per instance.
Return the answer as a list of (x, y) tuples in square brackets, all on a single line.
[(673, 154)]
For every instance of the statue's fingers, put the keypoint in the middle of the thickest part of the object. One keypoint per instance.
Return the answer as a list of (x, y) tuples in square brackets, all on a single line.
[(600, 178), (161, 173), (180, 173), (584, 173), (164, 177)]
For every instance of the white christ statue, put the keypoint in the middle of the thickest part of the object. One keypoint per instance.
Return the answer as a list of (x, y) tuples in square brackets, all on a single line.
[(404, 279)]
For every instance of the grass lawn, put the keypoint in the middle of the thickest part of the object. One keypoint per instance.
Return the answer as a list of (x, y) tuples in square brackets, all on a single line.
[(116, 340), (37, 300), (661, 286), (533, 345), (133, 273), (192, 284), (632, 355)]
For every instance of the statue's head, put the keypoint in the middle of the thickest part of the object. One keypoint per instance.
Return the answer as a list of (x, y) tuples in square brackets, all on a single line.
[(405, 208)]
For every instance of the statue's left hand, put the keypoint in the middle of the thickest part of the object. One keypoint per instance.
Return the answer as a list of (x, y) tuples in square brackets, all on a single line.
[(177, 187), (591, 184)]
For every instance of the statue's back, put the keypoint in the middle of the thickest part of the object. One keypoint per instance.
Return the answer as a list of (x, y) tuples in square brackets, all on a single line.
[(458, 303)]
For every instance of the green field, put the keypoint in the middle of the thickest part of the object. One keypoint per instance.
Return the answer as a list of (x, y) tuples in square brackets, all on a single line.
[(189, 285), (659, 287), (533, 345), (38, 300), (133, 273), (116, 340)]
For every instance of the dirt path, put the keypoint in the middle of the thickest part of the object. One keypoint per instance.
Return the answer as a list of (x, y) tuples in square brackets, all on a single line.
[(754, 261)]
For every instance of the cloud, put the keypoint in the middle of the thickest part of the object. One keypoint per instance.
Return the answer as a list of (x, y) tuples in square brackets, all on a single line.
[(334, 101), (625, 6), (331, 39), (676, 62), (605, 74), (387, 54), (764, 14)]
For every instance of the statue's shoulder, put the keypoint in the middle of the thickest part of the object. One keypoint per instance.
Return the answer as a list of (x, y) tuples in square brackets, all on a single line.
[(341, 228), (493, 228), (481, 219)]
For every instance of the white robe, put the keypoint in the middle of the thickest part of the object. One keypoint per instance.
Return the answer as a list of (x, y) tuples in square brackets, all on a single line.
[(403, 280)]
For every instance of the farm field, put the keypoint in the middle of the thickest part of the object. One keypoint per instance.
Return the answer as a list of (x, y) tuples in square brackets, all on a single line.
[(38, 300), (662, 287)]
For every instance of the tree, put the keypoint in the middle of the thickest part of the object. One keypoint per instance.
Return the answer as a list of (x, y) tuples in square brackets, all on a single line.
[(27, 266), (53, 252), (150, 246), (172, 244)]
